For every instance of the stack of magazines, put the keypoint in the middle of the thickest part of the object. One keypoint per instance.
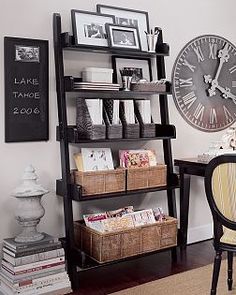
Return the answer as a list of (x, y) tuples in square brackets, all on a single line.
[(96, 86), (34, 268), (122, 219)]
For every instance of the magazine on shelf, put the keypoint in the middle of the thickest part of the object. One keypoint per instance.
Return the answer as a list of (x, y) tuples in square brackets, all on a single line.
[(95, 159), (137, 158)]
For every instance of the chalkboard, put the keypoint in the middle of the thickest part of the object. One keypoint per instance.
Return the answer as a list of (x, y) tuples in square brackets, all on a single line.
[(26, 89)]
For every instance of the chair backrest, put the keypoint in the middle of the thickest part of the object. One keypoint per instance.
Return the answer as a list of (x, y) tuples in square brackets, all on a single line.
[(220, 187)]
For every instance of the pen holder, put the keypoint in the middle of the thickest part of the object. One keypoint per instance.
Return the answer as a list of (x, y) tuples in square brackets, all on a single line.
[(152, 41), (126, 81)]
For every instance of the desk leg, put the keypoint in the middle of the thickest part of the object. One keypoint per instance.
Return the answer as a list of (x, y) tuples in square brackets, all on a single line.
[(184, 207)]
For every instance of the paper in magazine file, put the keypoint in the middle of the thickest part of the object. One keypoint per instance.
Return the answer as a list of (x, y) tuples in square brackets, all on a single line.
[(137, 158)]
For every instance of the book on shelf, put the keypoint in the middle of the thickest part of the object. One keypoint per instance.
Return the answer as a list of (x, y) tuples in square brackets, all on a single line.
[(51, 288), (33, 273), (16, 261), (35, 281), (58, 281), (11, 244), (32, 250), (30, 267)]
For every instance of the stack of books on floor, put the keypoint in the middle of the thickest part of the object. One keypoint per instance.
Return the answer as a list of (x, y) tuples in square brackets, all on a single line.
[(34, 268)]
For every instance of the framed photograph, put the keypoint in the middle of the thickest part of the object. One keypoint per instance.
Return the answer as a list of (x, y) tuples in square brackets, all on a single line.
[(123, 37), (89, 27), (129, 17), (141, 65), (26, 89), (27, 53)]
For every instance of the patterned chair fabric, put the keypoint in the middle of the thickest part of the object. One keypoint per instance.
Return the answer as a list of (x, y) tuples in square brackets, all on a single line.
[(224, 193)]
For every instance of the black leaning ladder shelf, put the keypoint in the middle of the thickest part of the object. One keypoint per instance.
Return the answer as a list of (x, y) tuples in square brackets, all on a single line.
[(76, 259)]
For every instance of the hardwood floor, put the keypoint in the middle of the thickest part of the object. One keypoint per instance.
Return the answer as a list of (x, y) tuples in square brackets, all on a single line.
[(106, 280)]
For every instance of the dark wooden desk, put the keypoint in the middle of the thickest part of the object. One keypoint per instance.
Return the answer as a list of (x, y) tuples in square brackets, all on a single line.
[(187, 167)]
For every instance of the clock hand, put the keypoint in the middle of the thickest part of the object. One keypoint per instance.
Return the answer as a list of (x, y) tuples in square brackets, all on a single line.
[(226, 93), (224, 57)]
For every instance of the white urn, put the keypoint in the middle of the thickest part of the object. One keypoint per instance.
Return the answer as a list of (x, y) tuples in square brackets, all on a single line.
[(29, 209)]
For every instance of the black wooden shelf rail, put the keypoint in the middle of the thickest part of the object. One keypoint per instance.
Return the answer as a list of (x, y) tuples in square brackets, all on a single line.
[(162, 132), (68, 43)]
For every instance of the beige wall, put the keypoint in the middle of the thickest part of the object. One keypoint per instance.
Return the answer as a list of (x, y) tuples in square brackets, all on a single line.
[(181, 21)]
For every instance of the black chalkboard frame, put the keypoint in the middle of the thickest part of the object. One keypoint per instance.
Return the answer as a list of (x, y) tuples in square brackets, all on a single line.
[(26, 89)]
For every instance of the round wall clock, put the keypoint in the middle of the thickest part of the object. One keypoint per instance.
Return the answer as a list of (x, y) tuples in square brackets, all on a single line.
[(204, 83)]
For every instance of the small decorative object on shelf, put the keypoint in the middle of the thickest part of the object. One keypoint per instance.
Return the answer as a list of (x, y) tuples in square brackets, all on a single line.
[(127, 76), (152, 38), (227, 145), (29, 210)]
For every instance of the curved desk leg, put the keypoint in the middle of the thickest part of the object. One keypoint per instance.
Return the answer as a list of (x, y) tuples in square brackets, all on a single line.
[(184, 207)]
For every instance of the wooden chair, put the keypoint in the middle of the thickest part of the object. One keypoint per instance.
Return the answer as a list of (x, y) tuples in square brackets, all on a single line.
[(220, 186)]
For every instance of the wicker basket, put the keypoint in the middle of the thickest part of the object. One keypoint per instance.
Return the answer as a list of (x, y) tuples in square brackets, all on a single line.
[(121, 244), (100, 182), (148, 86), (145, 177)]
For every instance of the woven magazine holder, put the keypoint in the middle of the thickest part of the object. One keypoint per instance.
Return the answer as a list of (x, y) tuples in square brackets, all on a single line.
[(86, 129), (129, 130), (146, 130), (112, 130)]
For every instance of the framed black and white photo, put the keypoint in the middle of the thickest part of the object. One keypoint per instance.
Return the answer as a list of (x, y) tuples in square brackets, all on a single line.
[(129, 17), (123, 37), (27, 53), (142, 66), (89, 27)]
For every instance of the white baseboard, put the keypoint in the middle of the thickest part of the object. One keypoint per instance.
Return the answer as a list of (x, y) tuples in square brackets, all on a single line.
[(200, 233)]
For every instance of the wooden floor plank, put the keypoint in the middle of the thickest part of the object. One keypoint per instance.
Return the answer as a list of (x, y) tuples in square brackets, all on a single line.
[(131, 273)]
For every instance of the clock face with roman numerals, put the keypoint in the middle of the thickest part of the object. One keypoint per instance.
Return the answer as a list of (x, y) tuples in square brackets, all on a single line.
[(204, 83)]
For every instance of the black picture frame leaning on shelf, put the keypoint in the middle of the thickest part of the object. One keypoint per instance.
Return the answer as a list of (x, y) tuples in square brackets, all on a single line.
[(89, 27), (142, 64), (126, 37), (126, 16)]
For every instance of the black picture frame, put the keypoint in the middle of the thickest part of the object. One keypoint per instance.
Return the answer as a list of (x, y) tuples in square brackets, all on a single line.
[(137, 18), (26, 89), (119, 61), (123, 37), (89, 27)]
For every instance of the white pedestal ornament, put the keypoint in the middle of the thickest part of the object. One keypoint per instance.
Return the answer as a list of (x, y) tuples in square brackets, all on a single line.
[(29, 209)]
